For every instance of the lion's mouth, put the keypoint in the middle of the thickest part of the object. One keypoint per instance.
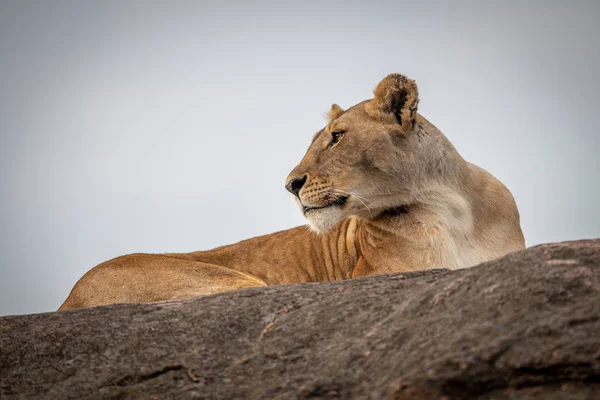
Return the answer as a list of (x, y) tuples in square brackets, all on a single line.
[(339, 202)]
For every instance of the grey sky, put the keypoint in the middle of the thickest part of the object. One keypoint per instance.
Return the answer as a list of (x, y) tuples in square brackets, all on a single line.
[(170, 126)]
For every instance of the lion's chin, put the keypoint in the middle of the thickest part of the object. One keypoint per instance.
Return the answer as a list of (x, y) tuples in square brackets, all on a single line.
[(323, 220)]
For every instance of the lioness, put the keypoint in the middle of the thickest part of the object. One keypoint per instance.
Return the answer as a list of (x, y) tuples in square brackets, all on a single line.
[(383, 191)]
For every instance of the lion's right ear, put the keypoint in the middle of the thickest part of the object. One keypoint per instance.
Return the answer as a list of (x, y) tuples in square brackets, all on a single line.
[(398, 95), (335, 112)]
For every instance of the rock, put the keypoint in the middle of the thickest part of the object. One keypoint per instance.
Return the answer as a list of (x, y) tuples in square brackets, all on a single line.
[(526, 326)]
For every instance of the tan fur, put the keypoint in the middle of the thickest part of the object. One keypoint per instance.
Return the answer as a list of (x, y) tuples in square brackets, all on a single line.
[(335, 112), (388, 194)]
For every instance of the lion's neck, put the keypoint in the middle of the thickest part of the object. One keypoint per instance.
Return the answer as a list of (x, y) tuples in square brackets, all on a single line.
[(418, 236), (451, 224)]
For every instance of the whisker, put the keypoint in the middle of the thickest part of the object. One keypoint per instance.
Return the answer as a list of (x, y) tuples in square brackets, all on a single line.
[(359, 198)]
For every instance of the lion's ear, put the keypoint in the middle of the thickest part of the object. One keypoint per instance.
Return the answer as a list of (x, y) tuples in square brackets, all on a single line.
[(335, 112), (398, 95)]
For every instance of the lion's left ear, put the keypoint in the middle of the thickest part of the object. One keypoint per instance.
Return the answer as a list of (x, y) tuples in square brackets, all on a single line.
[(398, 95), (335, 112)]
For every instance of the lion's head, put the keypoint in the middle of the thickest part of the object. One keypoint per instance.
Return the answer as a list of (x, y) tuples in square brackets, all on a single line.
[(373, 157)]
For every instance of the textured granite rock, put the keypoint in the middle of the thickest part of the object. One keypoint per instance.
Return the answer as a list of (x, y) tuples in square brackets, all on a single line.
[(526, 326)]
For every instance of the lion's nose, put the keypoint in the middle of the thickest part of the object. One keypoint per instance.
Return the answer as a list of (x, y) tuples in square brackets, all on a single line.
[(295, 184)]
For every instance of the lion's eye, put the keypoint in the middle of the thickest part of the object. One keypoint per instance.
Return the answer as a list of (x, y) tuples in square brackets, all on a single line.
[(335, 137)]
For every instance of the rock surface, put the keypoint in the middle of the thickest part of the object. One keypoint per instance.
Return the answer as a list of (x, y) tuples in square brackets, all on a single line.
[(526, 326)]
